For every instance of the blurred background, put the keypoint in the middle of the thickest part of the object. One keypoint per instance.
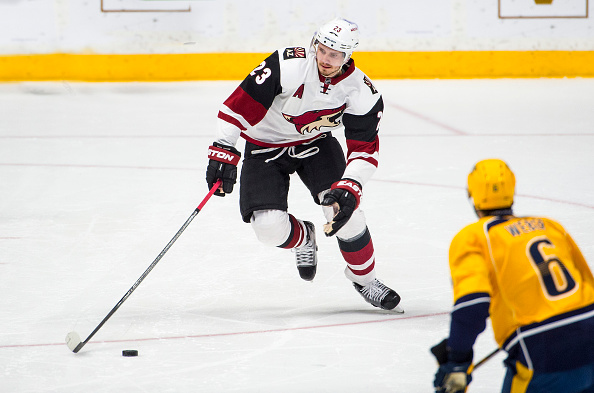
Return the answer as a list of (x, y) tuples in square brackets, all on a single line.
[(221, 39)]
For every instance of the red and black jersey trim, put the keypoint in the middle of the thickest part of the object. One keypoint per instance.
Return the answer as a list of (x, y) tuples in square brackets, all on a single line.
[(361, 134), (348, 69), (255, 94), (368, 148), (363, 128)]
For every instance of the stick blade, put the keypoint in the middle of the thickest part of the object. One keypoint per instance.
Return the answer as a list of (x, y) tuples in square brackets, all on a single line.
[(73, 341)]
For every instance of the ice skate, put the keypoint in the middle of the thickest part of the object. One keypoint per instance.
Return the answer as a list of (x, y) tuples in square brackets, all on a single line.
[(307, 255), (379, 295)]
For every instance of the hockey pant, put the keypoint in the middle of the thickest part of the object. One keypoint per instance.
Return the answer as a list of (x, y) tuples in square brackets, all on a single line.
[(523, 380)]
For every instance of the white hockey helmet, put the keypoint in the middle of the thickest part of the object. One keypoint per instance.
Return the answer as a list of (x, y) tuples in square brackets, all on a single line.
[(338, 34)]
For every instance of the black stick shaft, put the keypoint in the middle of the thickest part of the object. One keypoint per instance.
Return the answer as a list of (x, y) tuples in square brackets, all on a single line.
[(486, 358), (152, 265)]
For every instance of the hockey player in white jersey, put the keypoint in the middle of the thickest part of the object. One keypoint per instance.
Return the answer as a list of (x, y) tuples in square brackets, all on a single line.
[(286, 110)]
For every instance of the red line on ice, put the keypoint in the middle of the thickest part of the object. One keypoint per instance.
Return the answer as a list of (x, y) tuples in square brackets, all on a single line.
[(400, 318), (428, 119), (464, 189), (99, 166)]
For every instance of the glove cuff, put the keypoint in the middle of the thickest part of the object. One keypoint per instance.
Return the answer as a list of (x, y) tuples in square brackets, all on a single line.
[(460, 357), (222, 153), (351, 186)]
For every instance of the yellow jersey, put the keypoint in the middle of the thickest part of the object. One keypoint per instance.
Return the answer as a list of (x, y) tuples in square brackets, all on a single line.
[(530, 267)]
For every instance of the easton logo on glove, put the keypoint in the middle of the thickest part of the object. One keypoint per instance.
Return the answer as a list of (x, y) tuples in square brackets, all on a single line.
[(351, 186), (222, 155), (222, 164)]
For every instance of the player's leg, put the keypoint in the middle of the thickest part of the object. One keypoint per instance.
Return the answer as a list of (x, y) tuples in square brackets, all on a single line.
[(281, 229), (356, 246), (318, 173), (264, 187)]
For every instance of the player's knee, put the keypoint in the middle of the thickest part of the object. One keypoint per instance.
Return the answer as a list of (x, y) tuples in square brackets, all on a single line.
[(271, 227)]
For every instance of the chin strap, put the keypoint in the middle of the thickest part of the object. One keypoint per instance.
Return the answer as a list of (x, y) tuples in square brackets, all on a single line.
[(498, 212)]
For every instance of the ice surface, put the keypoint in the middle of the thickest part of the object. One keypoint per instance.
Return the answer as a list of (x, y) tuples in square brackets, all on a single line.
[(97, 178)]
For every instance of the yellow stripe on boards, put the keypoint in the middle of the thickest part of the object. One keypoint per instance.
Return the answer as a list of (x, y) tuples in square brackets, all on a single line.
[(112, 68), (235, 66), (473, 64)]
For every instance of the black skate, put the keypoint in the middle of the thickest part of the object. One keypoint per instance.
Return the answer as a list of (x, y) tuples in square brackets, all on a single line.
[(307, 255), (379, 295)]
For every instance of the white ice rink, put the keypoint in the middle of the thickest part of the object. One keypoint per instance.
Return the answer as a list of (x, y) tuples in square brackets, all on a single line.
[(95, 179)]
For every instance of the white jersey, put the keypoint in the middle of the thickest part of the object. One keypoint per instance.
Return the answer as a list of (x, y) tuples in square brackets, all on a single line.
[(286, 102)]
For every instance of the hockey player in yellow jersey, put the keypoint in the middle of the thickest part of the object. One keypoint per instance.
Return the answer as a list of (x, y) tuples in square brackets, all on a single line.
[(528, 275)]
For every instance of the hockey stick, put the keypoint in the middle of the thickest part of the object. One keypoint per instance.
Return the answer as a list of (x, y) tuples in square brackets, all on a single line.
[(73, 339), (440, 352), (486, 358)]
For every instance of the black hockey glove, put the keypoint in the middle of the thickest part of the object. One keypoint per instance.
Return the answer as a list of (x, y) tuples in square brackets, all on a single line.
[(222, 165), (452, 376), (344, 196)]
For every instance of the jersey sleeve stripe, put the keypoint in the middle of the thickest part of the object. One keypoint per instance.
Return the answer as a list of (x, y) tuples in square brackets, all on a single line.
[(231, 120), (370, 158), (363, 146), (244, 105), (366, 151), (472, 302)]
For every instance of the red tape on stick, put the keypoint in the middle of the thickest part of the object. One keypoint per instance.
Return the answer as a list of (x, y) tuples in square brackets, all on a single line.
[(207, 197)]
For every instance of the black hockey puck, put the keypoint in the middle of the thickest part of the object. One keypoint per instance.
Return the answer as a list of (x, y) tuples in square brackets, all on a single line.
[(129, 352)]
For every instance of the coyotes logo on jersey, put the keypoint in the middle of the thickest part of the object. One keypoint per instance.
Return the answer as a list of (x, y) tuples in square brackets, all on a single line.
[(315, 120), (370, 85)]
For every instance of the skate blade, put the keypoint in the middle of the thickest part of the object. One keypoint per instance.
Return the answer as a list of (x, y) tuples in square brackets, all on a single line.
[(398, 310)]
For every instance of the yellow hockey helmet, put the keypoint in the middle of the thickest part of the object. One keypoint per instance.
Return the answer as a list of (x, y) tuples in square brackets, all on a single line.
[(491, 185)]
